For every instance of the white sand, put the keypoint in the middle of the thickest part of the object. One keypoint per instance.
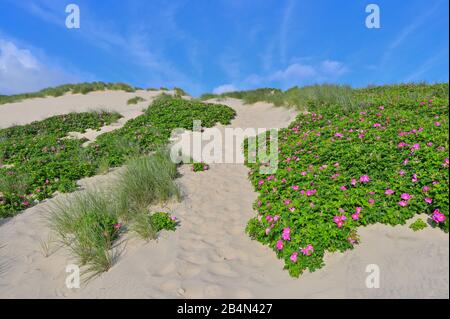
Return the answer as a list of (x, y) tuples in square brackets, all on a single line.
[(210, 256)]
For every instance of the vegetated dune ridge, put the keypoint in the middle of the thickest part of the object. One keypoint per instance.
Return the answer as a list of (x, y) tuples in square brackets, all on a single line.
[(210, 256)]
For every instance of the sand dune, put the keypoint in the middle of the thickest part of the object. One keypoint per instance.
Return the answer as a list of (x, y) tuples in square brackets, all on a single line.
[(210, 256)]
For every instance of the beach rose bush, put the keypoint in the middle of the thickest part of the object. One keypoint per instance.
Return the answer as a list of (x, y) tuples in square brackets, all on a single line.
[(341, 170)]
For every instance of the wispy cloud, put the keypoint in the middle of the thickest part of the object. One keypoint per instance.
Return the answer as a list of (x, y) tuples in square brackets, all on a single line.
[(428, 65), (409, 30), (22, 71), (294, 74), (134, 42), (284, 29), (224, 88)]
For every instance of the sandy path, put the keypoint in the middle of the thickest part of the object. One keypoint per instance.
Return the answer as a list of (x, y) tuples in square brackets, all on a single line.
[(210, 255)]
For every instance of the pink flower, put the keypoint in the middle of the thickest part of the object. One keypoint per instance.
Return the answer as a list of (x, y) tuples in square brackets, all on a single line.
[(381, 107), (340, 224), (261, 182), (173, 218), (354, 181), (303, 173), (429, 144), (388, 191), (343, 188), (437, 124), (267, 231), (425, 189), (287, 202), (295, 188), (276, 218), (338, 135), (26, 203), (117, 226), (415, 147), (337, 219), (364, 179), (414, 178), (405, 196), (428, 200), (308, 250), (293, 257), (291, 209), (401, 172), (401, 144), (446, 162), (438, 217), (286, 235), (269, 218), (355, 216), (279, 244), (377, 125), (371, 201), (403, 203), (358, 210)]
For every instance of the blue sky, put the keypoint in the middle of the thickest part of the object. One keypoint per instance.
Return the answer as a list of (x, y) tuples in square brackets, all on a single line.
[(218, 45)]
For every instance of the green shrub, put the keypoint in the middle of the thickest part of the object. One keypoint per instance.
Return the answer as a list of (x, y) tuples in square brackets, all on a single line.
[(163, 221), (418, 225), (340, 169), (135, 100), (200, 167)]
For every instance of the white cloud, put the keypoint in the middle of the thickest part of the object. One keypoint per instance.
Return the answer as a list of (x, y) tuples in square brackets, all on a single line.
[(21, 71), (224, 88), (293, 72), (299, 74), (332, 68)]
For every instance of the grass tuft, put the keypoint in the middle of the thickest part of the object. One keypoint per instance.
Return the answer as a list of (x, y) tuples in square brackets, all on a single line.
[(145, 181)]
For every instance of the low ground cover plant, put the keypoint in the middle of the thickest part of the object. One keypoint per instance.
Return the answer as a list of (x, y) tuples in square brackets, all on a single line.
[(37, 159), (200, 167), (418, 225), (340, 169), (82, 88), (135, 100), (152, 130)]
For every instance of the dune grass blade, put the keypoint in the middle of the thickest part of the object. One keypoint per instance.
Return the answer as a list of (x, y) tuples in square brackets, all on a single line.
[(146, 180), (87, 224)]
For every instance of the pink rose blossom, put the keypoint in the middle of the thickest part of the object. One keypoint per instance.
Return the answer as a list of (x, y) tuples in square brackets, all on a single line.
[(294, 256), (279, 244), (388, 191), (405, 196), (438, 217), (428, 200), (364, 179)]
